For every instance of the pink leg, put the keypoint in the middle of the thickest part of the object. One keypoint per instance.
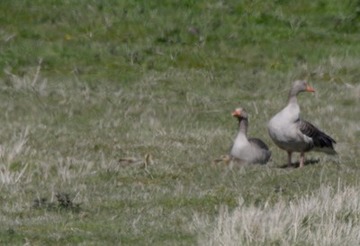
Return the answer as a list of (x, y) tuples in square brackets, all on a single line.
[(289, 158), (302, 159)]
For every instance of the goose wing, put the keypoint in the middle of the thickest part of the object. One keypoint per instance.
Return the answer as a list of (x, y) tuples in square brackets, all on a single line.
[(258, 143), (321, 140)]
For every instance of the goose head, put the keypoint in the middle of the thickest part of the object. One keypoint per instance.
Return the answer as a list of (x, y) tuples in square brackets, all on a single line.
[(240, 113), (300, 86)]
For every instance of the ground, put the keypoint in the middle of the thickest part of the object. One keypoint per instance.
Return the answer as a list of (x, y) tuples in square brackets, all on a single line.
[(113, 113)]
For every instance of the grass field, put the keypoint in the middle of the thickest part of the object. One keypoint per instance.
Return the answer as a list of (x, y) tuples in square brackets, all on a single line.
[(112, 113)]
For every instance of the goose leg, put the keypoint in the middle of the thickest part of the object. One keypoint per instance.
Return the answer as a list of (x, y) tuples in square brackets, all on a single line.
[(289, 158), (302, 159)]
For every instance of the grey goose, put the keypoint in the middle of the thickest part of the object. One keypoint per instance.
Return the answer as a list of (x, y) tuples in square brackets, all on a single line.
[(293, 134), (244, 149)]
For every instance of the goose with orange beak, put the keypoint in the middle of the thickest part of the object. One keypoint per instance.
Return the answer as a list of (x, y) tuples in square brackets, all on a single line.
[(248, 150), (292, 134)]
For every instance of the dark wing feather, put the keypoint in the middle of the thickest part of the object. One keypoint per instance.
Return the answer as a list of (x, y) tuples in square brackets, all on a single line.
[(320, 139), (264, 153), (259, 143)]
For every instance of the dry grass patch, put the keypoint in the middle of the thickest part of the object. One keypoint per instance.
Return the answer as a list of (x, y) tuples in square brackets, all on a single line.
[(325, 217)]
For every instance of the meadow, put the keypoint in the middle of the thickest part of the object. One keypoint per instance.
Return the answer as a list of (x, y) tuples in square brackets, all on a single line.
[(113, 112)]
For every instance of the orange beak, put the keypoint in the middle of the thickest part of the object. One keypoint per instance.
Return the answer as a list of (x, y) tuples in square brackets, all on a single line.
[(236, 113), (309, 89)]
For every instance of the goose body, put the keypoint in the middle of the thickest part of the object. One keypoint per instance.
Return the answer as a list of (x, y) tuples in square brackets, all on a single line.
[(248, 150), (292, 134)]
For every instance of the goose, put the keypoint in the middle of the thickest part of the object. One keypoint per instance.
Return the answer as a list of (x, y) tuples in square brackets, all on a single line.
[(292, 134), (244, 150)]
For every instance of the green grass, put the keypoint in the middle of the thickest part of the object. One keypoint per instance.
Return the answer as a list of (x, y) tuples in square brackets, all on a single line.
[(84, 84)]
